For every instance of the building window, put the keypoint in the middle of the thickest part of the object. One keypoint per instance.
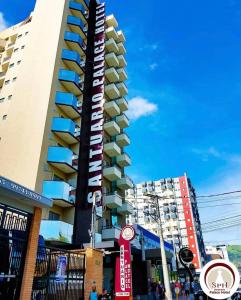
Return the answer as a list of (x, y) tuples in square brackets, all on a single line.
[(4, 117), (15, 50), (10, 97), (18, 62), (2, 99), (19, 36), (14, 79), (54, 216), (23, 47), (11, 65), (26, 32), (6, 82)]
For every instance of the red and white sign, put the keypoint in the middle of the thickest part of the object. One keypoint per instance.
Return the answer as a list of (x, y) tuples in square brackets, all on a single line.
[(123, 272)]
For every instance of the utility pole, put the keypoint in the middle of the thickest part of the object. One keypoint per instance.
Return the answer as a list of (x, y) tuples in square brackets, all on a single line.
[(157, 218)]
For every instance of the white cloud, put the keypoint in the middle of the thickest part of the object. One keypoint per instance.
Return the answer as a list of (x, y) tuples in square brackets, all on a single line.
[(153, 66), (3, 22), (140, 107), (210, 152)]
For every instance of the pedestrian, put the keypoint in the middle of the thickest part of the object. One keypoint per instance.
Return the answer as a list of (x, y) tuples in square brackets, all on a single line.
[(104, 295), (187, 289), (93, 293), (153, 289), (161, 291), (177, 289)]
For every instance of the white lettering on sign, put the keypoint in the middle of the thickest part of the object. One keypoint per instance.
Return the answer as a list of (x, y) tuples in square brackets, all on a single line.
[(122, 267), (97, 108)]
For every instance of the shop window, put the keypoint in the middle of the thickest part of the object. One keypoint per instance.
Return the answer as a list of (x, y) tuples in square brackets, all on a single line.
[(54, 216)]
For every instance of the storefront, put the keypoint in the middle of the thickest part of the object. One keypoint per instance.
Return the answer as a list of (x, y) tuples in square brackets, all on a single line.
[(20, 216)]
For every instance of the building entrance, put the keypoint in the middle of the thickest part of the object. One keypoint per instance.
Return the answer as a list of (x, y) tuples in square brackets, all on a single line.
[(14, 231)]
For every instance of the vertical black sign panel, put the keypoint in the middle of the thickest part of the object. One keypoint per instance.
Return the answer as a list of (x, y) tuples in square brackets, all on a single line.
[(90, 178)]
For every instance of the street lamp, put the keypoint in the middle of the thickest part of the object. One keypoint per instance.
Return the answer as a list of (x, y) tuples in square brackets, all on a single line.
[(157, 218), (93, 223)]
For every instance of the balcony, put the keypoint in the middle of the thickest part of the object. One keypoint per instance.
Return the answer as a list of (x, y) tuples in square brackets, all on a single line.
[(122, 103), (77, 10), (66, 129), (112, 173), (111, 21), (112, 75), (112, 128), (61, 192), (125, 209), (76, 25), (68, 103), (112, 149), (122, 61), (121, 37), (2, 78), (122, 74), (62, 159), (86, 3), (71, 81), (111, 233), (72, 60), (112, 91), (122, 88), (75, 42), (111, 46), (54, 230), (111, 33), (125, 183), (122, 49), (2, 44), (123, 140), (122, 121), (111, 60), (113, 200), (123, 160), (111, 108)]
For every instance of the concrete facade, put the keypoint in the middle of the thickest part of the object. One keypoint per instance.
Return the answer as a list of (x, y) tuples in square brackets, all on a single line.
[(179, 213), (40, 110)]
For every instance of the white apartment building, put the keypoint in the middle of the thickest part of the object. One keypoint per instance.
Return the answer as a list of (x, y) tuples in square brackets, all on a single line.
[(178, 210)]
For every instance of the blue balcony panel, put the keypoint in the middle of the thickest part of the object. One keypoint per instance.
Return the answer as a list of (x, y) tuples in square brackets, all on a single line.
[(68, 103), (78, 10), (71, 81), (85, 3), (72, 60), (62, 159), (61, 192), (75, 42), (66, 129), (53, 230), (76, 25)]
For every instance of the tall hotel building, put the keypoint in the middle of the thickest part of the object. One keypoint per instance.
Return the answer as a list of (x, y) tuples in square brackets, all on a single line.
[(179, 213), (62, 120)]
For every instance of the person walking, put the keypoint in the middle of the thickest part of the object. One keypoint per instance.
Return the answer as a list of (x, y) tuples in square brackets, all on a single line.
[(93, 294), (177, 289), (187, 289)]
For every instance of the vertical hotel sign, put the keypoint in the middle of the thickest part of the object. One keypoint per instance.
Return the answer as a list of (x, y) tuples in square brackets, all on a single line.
[(95, 177), (123, 271)]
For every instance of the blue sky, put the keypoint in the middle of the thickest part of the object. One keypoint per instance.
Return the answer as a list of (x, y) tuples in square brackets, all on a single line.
[(184, 68)]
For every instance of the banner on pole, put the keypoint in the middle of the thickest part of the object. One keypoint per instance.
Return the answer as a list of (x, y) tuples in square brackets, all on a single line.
[(123, 273)]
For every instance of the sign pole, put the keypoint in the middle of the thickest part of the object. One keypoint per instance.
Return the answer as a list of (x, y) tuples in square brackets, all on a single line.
[(123, 271)]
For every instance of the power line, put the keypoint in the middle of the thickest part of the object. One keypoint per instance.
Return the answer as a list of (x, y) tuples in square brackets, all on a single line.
[(221, 194), (217, 220), (217, 205)]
